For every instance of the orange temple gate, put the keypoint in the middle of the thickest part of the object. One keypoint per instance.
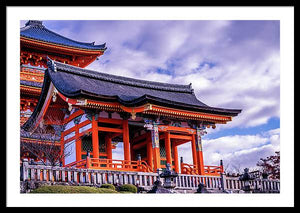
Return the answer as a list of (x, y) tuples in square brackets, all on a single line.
[(98, 112)]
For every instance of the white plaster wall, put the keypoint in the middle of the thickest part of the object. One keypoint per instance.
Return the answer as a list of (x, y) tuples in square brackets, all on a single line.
[(84, 128), (70, 152), (115, 116), (103, 114), (69, 125), (83, 118), (71, 134)]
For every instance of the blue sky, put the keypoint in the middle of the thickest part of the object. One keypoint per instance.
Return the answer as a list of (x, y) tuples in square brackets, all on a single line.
[(231, 64)]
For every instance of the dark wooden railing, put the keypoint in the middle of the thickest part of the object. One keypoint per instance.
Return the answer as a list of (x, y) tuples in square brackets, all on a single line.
[(111, 164), (191, 169)]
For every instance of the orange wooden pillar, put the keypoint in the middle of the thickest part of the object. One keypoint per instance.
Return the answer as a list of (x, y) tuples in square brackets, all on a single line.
[(77, 143), (156, 158), (194, 152), (199, 152), (95, 136), (62, 148), (155, 147), (150, 153), (168, 148), (175, 153), (126, 144), (201, 164)]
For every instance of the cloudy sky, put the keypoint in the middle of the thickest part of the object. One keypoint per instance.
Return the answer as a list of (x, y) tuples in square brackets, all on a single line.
[(231, 64)]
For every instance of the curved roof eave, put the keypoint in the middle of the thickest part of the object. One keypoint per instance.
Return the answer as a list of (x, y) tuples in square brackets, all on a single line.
[(149, 92)]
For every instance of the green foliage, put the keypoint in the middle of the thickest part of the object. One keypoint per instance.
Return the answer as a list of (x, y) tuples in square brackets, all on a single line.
[(128, 188), (108, 186), (71, 189)]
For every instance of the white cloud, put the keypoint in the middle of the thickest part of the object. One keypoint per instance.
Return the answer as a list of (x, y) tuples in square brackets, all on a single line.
[(245, 72), (238, 151), (244, 54), (242, 150)]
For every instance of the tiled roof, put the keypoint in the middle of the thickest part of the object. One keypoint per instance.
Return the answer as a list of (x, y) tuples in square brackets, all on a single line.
[(41, 137), (36, 30), (31, 83), (75, 82)]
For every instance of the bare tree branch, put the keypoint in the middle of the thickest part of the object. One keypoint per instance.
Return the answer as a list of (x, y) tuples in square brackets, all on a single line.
[(46, 147)]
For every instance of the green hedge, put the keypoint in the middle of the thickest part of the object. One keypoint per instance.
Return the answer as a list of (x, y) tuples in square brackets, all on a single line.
[(71, 189), (108, 186), (128, 188)]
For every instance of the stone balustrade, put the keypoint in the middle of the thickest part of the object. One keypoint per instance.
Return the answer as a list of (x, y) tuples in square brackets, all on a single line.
[(85, 176), (76, 176)]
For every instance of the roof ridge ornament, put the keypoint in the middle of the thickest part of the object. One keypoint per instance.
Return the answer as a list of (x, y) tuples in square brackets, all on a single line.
[(122, 79), (191, 89), (34, 23), (51, 64)]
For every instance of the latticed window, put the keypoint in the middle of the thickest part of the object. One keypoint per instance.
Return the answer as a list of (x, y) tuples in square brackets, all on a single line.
[(102, 147), (87, 144), (162, 149)]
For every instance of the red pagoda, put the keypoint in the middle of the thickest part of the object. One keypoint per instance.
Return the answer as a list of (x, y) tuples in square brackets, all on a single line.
[(94, 110), (36, 44)]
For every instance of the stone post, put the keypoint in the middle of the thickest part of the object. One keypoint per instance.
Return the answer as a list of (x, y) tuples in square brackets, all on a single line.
[(223, 181), (223, 177), (24, 169)]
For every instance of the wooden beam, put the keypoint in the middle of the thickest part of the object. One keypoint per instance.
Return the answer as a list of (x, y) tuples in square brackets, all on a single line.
[(165, 128), (108, 129), (141, 137), (44, 107), (184, 113), (181, 137), (74, 115), (59, 48), (110, 120), (139, 145), (115, 134), (180, 142)]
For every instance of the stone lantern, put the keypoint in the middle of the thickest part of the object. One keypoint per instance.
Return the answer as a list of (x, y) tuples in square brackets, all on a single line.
[(246, 177), (168, 184), (169, 176)]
